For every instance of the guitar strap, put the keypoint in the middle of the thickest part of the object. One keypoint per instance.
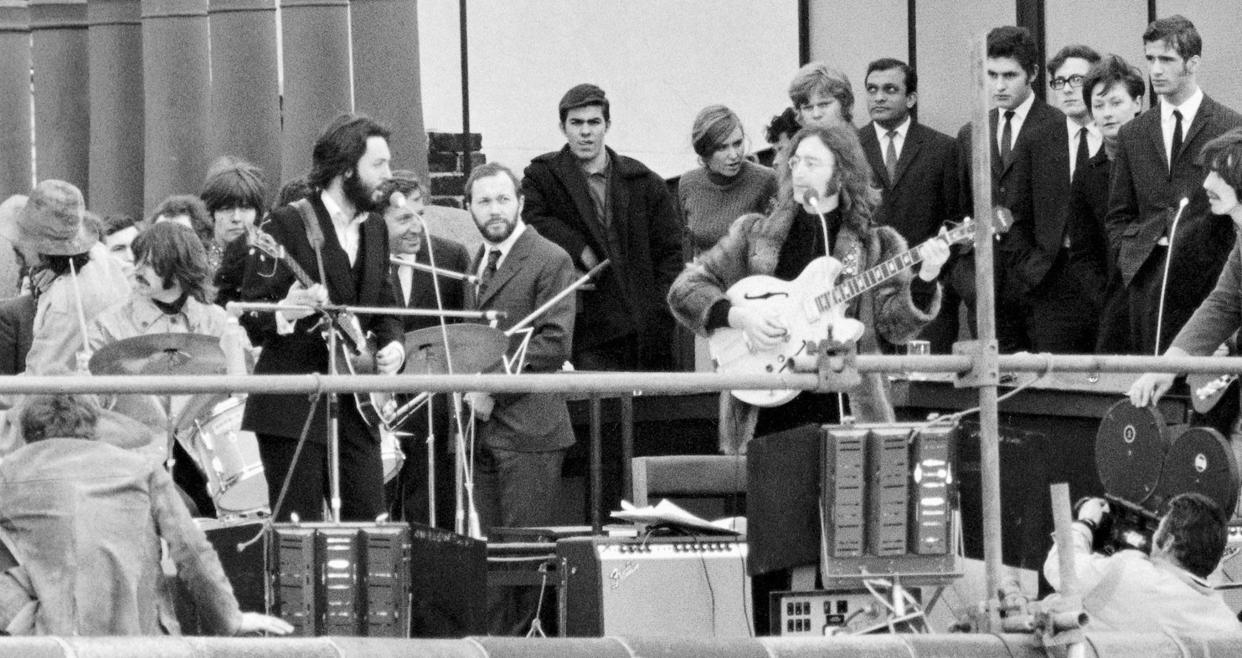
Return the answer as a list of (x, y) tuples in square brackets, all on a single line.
[(314, 234)]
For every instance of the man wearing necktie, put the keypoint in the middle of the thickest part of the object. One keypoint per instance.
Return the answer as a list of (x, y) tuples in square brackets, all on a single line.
[(1156, 167), (1012, 66), (521, 438), (915, 169), (1054, 308), (402, 206)]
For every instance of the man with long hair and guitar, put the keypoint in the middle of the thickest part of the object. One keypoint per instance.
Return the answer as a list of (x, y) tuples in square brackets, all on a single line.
[(332, 249), (768, 291)]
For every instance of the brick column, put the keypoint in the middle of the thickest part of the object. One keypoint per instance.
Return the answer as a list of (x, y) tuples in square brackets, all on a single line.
[(387, 84), (16, 174), (116, 146), (176, 81), (62, 90), (315, 38), (448, 179), (245, 96)]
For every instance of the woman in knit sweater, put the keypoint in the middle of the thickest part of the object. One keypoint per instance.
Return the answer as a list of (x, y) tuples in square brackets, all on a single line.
[(727, 186)]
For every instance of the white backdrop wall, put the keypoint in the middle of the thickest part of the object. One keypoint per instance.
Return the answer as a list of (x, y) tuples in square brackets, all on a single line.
[(659, 62)]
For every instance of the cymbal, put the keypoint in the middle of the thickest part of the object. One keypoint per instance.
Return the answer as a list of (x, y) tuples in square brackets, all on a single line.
[(474, 348), (160, 354)]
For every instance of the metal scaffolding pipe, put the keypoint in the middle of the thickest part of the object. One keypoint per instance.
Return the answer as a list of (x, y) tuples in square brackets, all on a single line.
[(650, 383)]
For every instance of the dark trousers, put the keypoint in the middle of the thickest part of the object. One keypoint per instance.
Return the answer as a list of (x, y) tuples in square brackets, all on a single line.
[(1061, 315), (516, 489), (362, 471)]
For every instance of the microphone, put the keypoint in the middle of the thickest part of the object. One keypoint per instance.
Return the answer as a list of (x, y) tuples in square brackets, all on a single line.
[(1164, 280), (811, 198)]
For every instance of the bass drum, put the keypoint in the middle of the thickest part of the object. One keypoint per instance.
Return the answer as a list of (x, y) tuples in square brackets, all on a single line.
[(230, 458)]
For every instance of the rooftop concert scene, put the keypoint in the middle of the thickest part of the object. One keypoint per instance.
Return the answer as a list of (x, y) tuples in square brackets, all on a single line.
[(599, 328)]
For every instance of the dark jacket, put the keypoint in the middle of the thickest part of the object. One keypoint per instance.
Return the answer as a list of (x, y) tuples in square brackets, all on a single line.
[(367, 283), (923, 194), (629, 299), (449, 255), (533, 272)]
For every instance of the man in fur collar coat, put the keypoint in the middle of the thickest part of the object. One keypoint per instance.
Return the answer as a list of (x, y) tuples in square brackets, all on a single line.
[(828, 162)]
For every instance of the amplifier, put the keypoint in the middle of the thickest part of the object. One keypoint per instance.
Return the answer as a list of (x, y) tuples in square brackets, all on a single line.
[(348, 579), (654, 586), (820, 613)]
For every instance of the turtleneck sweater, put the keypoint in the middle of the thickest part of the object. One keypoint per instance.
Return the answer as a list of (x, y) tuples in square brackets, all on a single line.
[(711, 202)]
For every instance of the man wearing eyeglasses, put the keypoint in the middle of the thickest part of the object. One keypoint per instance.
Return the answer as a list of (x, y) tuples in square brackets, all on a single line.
[(1012, 66), (1052, 311)]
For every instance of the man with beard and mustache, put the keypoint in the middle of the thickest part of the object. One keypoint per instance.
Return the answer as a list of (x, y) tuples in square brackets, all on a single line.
[(349, 161), (522, 437)]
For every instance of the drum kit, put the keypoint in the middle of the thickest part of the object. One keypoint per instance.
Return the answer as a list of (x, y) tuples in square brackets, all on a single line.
[(208, 425)]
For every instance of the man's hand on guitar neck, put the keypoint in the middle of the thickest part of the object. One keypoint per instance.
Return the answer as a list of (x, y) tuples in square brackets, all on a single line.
[(762, 327), (388, 360), (935, 253)]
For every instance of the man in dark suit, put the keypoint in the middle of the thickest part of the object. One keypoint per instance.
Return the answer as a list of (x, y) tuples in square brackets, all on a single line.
[(1156, 170), (1012, 65), (523, 437), (915, 169), (1054, 312), (598, 205), (401, 204), (349, 161)]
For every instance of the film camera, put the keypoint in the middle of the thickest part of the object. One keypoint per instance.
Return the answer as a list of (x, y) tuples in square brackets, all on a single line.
[(1143, 462)]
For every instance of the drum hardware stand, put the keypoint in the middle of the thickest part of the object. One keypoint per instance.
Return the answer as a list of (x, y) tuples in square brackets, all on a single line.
[(330, 311)]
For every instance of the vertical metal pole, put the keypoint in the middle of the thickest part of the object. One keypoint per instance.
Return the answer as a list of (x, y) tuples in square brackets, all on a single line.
[(597, 525), (465, 90), (627, 443), (985, 369), (334, 435)]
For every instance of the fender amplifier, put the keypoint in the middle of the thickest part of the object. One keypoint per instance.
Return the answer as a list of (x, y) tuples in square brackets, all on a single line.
[(694, 586)]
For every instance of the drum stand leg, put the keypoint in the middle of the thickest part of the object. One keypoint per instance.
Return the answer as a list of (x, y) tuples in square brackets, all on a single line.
[(431, 464)]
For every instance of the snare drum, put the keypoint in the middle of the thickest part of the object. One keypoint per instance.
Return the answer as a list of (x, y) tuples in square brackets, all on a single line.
[(230, 458)]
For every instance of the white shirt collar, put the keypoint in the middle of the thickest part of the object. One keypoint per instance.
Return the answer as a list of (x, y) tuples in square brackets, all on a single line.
[(336, 212), (881, 133), (1189, 108), (1019, 112)]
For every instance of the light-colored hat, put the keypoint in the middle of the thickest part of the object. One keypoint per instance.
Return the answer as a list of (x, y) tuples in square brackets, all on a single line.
[(9, 210), (51, 222)]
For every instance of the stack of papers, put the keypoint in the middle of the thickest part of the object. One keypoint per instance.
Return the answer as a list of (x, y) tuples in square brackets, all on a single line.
[(668, 514)]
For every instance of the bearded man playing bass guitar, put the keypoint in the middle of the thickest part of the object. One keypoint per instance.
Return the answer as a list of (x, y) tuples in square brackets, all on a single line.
[(828, 174), (349, 161)]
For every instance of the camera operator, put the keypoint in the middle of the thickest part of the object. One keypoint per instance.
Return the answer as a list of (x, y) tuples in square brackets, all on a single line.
[(1166, 592)]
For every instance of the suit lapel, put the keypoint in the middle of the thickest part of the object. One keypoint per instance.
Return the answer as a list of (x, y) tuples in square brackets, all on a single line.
[(909, 151), (871, 148), (336, 265), (575, 183), (1204, 114), (509, 266)]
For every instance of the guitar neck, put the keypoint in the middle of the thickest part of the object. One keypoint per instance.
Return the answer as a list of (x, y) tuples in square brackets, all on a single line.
[(846, 290)]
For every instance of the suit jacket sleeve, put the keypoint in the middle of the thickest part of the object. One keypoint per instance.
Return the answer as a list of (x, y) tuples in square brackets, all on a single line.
[(666, 234), (1220, 314), (1020, 243), (539, 210), (551, 342), (1122, 201)]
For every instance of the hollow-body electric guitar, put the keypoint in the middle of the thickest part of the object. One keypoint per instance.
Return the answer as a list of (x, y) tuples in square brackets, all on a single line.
[(810, 306)]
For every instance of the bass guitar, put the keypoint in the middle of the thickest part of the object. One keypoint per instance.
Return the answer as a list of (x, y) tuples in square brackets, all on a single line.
[(810, 306), (355, 349)]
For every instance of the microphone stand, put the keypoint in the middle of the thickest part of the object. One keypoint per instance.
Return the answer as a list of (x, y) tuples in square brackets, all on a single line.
[(811, 198), (1164, 279)]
